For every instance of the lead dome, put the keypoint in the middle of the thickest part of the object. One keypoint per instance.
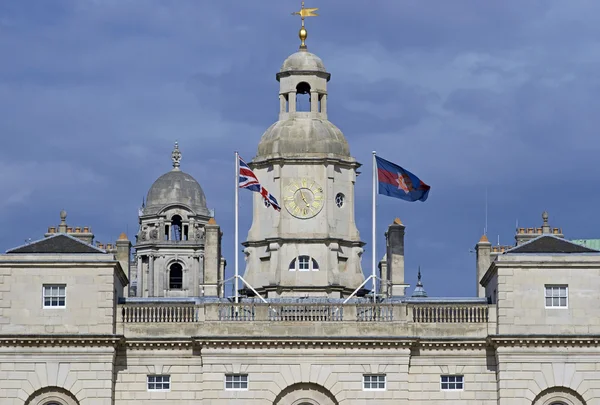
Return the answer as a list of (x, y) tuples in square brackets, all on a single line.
[(303, 61), (175, 188)]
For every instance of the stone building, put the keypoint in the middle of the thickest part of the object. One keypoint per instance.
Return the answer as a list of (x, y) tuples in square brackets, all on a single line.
[(74, 332)]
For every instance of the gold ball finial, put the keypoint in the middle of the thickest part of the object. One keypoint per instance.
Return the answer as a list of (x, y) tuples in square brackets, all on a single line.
[(302, 34), (303, 13)]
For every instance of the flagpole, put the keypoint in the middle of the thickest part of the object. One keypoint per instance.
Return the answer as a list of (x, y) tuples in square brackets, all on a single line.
[(373, 249), (237, 190)]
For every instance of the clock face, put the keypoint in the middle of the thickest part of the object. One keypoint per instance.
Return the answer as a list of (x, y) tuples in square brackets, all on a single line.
[(304, 198)]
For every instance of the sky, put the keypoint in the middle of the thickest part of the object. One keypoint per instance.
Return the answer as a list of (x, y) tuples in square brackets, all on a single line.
[(476, 98)]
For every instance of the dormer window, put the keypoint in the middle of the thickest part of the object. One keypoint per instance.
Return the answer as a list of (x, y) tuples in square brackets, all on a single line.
[(175, 277), (304, 263)]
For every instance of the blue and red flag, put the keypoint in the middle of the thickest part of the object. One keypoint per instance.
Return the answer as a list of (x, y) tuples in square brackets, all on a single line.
[(394, 181), (248, 180)]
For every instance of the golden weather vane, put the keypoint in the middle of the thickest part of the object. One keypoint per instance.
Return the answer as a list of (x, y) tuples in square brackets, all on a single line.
[(303, 13)]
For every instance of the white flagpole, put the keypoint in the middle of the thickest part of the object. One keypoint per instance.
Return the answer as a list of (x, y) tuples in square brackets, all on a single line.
[(237, 190), (373, 249)]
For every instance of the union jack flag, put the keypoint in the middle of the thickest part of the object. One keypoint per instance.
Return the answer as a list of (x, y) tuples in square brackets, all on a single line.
[(247, 179)]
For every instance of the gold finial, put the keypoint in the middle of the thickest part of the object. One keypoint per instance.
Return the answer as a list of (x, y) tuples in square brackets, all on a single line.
[(304, 12)]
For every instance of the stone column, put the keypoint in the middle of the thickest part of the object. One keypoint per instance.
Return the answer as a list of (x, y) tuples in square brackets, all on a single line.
[(195, 276), (140, 278), (151, 275), (483, 250), (324, 104), (282, 102), (395, 257), (292, 101), (212, 258), (314, 102)]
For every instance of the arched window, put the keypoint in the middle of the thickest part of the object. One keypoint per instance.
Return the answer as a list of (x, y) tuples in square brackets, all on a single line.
[(303, 96), (176, 227), (304, 263), (175, 277)]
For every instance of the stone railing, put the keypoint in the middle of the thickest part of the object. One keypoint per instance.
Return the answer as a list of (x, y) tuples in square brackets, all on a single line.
[(159, 313), (305, 312), (375, 313), (449, 313), (310, 312)]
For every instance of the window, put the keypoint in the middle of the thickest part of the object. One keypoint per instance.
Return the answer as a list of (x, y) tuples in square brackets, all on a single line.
[(236, 381), (452, 382), (374, 382), (304, 263), (339, 200), (556, 296), (159, 382), (176, 277), (54, 295)]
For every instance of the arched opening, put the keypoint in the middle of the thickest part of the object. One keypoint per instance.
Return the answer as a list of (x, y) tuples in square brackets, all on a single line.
[(304, 263), (559, 396), (176, 228), (175, 277), (305, 394), (303, 97), (52, 396)]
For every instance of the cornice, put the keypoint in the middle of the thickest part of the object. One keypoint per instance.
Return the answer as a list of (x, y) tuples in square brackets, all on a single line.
[(303, 342), (543, 340), (61, 340), (451, 344), (158, 344), (262, 162)]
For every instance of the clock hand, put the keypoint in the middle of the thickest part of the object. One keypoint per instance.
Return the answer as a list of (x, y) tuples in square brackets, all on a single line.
[(303, 198)]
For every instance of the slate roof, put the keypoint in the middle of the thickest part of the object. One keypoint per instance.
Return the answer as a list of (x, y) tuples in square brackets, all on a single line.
[(58, 243), (550, 244)]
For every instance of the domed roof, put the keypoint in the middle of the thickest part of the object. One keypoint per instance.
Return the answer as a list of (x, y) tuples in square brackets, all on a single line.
[(175, 187), (303, 61), (301, 136)]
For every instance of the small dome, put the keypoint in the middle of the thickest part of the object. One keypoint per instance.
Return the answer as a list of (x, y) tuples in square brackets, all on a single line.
[(303, 61), (301, 136), (175, 187)]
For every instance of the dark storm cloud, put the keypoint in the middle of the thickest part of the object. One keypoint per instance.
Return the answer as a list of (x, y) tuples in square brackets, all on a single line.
[(467, 94)]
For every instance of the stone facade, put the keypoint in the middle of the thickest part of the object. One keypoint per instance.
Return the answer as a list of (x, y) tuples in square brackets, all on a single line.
[(74, 332)]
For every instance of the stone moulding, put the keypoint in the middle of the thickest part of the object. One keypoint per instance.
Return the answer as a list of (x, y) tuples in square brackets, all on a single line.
[(61, 340), (543, 340)]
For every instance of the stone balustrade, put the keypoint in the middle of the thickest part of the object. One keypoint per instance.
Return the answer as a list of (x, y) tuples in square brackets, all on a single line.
[(448, 313), (312, 312), (159, 313)]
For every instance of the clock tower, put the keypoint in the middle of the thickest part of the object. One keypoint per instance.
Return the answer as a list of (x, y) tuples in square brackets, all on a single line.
[(312, 246)]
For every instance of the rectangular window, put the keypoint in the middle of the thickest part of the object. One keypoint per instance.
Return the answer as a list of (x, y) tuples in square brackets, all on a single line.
[(236, 381), (452, 382), (373, 382), (159, 382), (556, 296), (54, 295)]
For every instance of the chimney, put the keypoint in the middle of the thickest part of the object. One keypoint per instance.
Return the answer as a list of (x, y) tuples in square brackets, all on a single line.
[(395, 258), (212, 258), (483, 250), (123, 256)]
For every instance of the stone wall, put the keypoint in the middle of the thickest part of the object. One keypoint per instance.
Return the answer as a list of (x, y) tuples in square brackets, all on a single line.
[(90, 295)]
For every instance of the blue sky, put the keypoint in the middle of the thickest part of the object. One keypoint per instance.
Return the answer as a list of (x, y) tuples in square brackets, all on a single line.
[(466, 94)]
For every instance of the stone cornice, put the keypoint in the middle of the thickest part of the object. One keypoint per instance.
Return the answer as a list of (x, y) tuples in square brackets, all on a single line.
[(154, 344), (258, 163), (304, 342), (326, 241), (451, 344), (543, 340), (61, 340)]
